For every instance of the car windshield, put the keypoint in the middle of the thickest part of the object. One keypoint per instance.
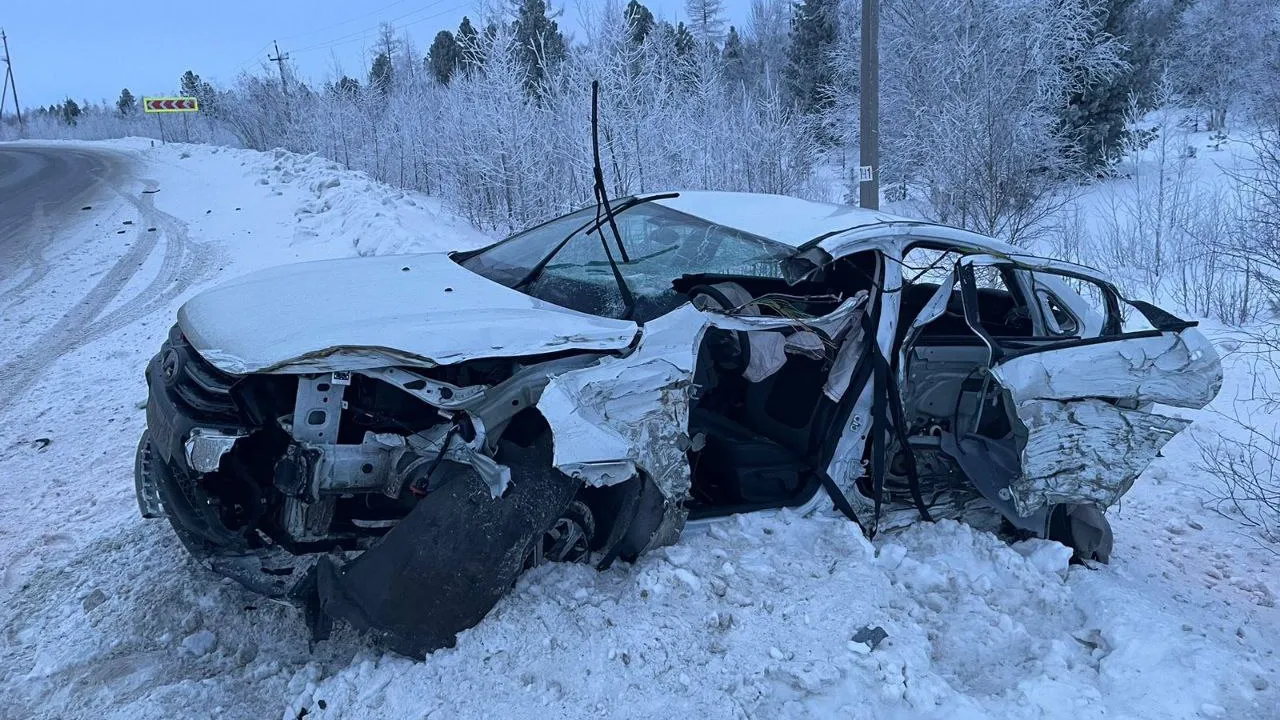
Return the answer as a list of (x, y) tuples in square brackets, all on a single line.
[(564, 261)]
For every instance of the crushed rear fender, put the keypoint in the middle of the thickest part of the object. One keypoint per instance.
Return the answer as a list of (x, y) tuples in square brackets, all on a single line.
[(1086, 412)]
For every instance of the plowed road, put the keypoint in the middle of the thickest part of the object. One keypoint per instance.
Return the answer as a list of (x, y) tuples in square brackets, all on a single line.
[(83, 253), (38, 183)]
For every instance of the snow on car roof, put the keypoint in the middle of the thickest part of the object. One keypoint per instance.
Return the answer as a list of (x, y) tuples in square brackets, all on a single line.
[(787, 220)]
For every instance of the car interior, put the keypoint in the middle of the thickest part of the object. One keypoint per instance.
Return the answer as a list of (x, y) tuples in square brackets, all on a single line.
[(762, 438)]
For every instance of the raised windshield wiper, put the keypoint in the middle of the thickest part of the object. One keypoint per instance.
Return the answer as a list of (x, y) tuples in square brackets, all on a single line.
[(602, 202), (536, 271)]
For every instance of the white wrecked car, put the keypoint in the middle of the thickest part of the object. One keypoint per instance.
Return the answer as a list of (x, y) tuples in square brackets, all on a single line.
[(390, 441)]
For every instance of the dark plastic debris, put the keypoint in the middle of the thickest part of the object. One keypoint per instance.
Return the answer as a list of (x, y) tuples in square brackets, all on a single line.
[(441, 569), (871, 636)]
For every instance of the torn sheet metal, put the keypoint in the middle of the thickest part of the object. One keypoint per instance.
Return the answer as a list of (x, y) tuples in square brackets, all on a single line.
[(1180, 369), (846, 465), (629, 409), (621, 414), (371, 312), (1085, 451), (1079, 447)]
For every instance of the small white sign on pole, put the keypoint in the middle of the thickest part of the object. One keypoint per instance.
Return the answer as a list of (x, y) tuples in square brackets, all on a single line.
[(865, 173)]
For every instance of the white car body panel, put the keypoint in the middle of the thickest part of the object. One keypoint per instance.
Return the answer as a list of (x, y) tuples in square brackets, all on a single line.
[(1079, 446), (362, 313)]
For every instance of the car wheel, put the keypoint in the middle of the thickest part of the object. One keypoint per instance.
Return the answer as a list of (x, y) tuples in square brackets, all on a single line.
[(568, 539), (1084, 529)]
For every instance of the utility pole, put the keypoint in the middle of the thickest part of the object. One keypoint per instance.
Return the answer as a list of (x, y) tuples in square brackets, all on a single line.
[(284, 85), (279, 61), (10, 82), (869, 109)]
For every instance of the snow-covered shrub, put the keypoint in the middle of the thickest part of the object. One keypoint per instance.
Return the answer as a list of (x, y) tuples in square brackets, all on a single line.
[(1246, 462), (506, 150), (1244, 459)]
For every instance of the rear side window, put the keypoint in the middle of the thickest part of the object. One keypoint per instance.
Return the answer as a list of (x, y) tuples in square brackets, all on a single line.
[(1058, 320), (1002, 307)]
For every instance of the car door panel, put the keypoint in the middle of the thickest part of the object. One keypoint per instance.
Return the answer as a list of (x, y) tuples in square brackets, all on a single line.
[(1080, 406)]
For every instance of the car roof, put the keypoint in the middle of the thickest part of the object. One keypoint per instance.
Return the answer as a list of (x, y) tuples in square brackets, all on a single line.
[(835, 228), (788, 220)]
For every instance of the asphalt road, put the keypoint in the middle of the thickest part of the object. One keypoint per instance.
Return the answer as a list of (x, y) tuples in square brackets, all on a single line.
[(38, 186), (77, 232)]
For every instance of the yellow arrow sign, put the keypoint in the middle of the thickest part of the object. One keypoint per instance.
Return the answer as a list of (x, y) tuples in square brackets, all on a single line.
[(170, 104)]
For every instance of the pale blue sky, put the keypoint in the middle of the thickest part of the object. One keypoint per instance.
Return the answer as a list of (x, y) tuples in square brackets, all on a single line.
[(90, 49)]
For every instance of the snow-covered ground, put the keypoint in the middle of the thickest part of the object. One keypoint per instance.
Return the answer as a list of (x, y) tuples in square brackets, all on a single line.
[(104, 615)]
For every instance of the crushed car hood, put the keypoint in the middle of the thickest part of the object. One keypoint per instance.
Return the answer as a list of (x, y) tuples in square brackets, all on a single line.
[(360, 313)]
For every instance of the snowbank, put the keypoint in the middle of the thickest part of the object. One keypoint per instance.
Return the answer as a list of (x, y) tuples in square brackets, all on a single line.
[(772, 615)]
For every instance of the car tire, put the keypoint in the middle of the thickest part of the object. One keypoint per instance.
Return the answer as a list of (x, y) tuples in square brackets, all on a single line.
[(1084, 529)]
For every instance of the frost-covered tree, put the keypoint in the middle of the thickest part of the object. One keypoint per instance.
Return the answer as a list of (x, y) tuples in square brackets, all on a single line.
[(735, 62), (383, 70), (192, 86), (380, 73), (706, 20), (346, 86), (768, 40), (683, 40), (127, 104), (444, 57), (639, 21), (70, 111), (1095, 113), (809, 69), (1219, 49), (539, 45), (190, 83), (971, 93)]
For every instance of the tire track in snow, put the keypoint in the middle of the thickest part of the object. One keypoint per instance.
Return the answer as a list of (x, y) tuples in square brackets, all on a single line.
[(42, 230), (85, 322)]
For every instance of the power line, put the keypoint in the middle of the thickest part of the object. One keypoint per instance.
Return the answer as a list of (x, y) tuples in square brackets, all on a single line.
[(359, 34), (252, 57), (348, 21)]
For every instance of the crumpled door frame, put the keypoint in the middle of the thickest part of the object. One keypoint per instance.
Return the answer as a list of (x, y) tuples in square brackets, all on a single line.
[(1077, 445), (627, 415)]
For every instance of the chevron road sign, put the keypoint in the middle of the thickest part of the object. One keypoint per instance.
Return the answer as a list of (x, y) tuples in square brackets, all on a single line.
[(170, 104)]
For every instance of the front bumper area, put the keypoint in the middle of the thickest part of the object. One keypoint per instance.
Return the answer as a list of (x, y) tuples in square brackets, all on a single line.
[(189, 407)]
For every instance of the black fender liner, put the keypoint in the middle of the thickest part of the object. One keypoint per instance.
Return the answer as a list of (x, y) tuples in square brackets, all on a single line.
[(443, 567)]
